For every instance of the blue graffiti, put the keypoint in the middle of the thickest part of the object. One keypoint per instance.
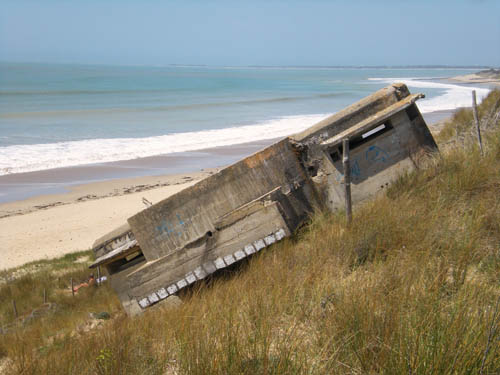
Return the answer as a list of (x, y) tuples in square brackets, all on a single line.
[(166, 227), (375, 153), (355, 170), (180, 220)]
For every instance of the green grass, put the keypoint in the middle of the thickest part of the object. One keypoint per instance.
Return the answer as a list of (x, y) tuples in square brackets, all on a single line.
[(412, 286)]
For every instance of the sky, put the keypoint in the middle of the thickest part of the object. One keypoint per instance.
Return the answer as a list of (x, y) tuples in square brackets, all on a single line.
[(258, 32)]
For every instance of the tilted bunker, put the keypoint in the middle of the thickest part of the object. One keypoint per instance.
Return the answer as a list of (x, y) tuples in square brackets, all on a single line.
[(263, 198)]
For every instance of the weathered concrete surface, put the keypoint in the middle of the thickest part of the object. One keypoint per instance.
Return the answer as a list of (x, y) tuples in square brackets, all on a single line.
[(263, 198), (192, 213)]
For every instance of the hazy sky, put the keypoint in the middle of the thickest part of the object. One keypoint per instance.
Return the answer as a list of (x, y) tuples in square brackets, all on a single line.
[(335, 32)]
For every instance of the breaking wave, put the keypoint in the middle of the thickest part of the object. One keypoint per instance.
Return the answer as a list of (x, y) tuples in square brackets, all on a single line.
[(36, 157), (29, 158), (449, 96)]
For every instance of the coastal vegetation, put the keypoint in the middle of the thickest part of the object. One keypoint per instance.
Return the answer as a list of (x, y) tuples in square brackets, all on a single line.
[(411, 286)]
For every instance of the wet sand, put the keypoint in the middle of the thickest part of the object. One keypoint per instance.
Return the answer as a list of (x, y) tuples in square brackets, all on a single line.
[(21, 186)]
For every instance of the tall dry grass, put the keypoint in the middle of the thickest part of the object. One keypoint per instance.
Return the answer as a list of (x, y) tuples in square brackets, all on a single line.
[(412, 286)]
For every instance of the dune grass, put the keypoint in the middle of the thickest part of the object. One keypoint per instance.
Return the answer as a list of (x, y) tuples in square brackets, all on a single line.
[(26, 284), (412, 286), (460, 125), (40, 322)]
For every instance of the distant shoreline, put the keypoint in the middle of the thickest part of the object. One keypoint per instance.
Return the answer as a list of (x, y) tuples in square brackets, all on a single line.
[(431, 66), (491, 76)]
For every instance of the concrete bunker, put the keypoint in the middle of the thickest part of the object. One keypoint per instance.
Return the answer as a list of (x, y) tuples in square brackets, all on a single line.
[(263, 198)]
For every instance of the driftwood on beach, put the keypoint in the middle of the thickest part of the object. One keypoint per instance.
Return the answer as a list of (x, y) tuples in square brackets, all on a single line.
[(263, 198)]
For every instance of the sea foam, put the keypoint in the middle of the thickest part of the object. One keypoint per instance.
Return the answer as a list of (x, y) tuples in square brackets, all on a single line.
[(29, 158), (451, 96)]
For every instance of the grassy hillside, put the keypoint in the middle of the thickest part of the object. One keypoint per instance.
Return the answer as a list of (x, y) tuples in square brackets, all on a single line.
[(412, 286)]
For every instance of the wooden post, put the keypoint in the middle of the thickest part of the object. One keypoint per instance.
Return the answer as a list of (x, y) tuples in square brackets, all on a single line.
[(98, 275), (15, 308), (72, 288), (347, 180), (44, 295), (476, 120)]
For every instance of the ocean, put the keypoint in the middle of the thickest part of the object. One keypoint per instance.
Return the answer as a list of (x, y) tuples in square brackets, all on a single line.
[(54, 116)]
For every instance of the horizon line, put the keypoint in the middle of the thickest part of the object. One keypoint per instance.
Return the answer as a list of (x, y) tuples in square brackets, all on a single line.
[(178, 65)]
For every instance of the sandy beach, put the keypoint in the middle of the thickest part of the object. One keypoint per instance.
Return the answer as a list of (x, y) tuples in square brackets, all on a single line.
[(490, 77)]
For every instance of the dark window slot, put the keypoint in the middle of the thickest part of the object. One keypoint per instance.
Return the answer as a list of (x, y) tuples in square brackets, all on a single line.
[(369, 135), (354, 143), (335, 155), (122, 264)]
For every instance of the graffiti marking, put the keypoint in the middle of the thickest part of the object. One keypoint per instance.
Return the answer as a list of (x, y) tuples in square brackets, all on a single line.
[(375, 153)]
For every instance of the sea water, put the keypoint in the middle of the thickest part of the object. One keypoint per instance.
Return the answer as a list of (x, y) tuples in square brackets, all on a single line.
[(55, 116)]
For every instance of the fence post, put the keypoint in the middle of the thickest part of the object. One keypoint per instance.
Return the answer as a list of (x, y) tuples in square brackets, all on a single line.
[(15, 308), (98, 275), (476, 120), (44, 295), (72, 288), (347, 179)]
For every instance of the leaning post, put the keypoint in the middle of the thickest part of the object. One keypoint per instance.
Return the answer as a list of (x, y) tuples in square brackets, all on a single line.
[(476, 120), (347, 179), (98, 275), (15, 308)]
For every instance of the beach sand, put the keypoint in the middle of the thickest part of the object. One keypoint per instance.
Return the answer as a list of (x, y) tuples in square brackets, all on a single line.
[(490, 77), (74, 216)]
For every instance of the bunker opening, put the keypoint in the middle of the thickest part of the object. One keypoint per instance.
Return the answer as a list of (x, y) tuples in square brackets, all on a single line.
[(358, 141), (125, 262)]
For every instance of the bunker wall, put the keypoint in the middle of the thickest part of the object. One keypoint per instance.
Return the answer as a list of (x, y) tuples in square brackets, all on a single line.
[(192, 213)]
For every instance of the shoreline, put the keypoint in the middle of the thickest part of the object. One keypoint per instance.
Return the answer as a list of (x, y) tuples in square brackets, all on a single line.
[(489, 78), (51, 225), (42, 188), (23, 186)]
